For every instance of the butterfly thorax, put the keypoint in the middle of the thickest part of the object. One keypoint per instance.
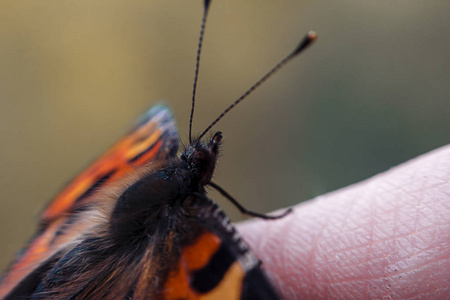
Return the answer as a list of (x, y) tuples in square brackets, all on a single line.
[(164, 193)]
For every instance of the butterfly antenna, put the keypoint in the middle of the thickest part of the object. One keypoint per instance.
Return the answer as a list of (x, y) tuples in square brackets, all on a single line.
[(306, 41), (197, 65)]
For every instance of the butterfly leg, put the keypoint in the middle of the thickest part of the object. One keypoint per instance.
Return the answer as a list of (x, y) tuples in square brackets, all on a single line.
[(243, 209)]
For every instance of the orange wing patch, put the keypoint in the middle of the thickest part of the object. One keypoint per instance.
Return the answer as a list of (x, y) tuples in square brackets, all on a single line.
[(40, 249), (141, 145), (195, 257), (29, 260), (198, 255)]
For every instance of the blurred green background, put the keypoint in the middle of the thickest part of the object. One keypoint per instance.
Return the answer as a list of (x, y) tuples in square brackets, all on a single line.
[(373, 92)]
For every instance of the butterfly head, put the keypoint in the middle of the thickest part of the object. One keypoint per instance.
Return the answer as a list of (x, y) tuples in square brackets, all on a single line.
[(201, 158)]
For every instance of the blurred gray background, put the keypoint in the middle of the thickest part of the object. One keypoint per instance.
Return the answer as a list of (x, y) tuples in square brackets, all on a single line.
[(370, 94)]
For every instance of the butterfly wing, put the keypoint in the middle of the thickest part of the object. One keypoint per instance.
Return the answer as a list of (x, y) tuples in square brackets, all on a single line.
[(195, 253), (193, 257), (218, 264), (154, 138)]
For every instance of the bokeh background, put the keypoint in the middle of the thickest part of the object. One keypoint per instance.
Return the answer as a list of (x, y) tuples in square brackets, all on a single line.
[(373, 92)]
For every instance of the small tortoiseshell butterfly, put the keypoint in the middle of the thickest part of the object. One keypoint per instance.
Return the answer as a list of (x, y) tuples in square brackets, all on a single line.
[(137, 224)]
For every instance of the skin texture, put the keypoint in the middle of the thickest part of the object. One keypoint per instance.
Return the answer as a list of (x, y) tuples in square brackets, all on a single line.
[(387, 237)]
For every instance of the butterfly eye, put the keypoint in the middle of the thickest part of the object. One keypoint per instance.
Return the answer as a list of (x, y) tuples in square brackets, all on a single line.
[(217, 138), (215, 142)]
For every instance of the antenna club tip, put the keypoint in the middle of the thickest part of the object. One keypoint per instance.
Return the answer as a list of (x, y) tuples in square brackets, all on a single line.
[(309, 38), (312, 35)]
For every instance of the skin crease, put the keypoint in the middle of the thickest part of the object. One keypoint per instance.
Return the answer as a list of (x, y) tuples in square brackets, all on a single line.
[(387, 237)]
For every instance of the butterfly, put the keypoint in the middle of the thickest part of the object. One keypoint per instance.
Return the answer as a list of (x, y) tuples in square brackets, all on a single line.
[(138, 224)]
